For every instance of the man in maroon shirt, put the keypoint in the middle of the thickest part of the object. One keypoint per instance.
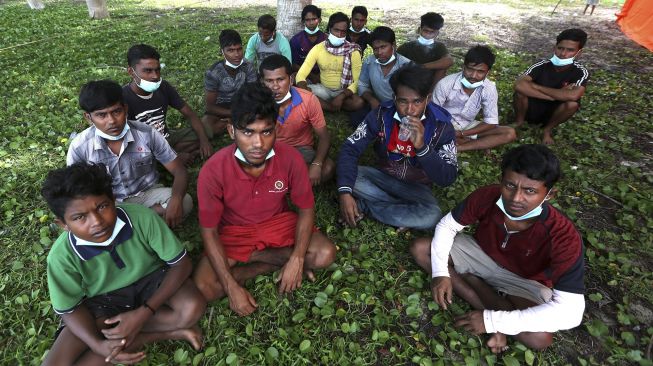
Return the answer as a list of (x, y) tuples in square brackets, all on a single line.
[(243, 211), (522, 270)]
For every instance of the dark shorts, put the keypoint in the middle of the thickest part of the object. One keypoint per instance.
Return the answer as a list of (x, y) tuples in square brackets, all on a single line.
[(123, 299), (540, 111), (308, 153), (126, 298)]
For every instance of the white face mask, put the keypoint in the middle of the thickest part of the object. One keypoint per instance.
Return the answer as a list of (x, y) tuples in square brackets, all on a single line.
[(336, 41), (110, 137), (226, 62), (392, 58), (351, 28), (425, 42), (116, 230), (557, 61), (269, 42), (148, 86), (239, 155), (284, 98)]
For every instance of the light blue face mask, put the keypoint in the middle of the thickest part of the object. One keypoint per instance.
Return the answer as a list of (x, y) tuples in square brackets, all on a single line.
[(336, 41), (469, 85), (425, 41), (557, 61), (116, 229), (532, 213), (110, 137), (239, 155), (311, 32), (148, 86)]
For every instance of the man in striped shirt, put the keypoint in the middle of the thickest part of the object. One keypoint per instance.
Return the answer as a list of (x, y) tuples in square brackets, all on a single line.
[(549, 91), (464, 94)]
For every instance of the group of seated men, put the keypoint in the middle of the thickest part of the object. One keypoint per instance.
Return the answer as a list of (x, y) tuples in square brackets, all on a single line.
[(120, 278)]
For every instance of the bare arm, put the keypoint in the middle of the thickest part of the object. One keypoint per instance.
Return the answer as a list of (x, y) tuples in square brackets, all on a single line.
[(570, 93), (196, 124), (174, 211), (370, 99), (441, 64), (292, 271), (483, 127), (211, 108), (240, 300), (526, 86)]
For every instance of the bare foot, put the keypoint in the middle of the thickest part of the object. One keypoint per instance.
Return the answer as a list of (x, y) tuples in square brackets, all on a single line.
[(498, 343), (519, 124), (547, 139), (191, 335), (310, 275)]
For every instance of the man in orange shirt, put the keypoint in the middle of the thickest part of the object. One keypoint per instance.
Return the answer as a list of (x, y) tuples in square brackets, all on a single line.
[(300, 114)]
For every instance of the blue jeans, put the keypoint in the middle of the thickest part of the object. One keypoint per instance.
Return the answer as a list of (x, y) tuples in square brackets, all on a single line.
[(395, 202)]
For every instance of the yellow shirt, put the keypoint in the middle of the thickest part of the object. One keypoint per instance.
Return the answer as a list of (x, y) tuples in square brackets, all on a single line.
[(330, 67)]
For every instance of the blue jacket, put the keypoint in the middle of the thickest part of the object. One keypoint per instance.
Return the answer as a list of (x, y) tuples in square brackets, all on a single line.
[(436, 160)]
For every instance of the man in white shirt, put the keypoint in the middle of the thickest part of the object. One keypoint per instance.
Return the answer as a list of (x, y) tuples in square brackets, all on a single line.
[(522, 270), (464, 94)]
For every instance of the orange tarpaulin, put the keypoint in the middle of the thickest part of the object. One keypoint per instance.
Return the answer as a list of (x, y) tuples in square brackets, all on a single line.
[(636, 21)]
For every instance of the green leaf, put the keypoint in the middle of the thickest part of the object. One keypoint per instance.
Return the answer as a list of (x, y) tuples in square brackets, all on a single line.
[(596, 297), (336, 275), (529, 357), (271, 353), (210, 351), (299, 316), (629, 338), (181, 355), (305, 345), (320, 299), (231, 359), (510, 361)]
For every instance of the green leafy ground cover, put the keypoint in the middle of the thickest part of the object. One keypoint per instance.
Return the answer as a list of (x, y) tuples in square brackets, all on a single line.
[(373, 306)]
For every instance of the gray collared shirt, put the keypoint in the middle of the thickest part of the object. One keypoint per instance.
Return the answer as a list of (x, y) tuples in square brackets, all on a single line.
[(373, 80), (449, 94), (134, 169)]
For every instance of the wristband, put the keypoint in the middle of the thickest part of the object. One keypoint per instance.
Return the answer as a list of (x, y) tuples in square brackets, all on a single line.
[(316, 163), (149, 307)]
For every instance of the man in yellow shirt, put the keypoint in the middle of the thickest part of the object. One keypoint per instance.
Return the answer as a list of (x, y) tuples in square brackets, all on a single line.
[(340, 63)]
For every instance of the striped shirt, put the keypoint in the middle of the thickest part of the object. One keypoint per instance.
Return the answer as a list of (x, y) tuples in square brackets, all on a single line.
[(545, 74), (450, 95)]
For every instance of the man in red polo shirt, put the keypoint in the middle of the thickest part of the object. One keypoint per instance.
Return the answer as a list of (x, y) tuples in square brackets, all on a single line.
[(243, 211), (300, 114), (523, 268)]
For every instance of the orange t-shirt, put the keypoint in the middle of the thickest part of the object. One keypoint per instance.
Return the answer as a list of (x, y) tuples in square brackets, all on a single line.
[(304, 113)]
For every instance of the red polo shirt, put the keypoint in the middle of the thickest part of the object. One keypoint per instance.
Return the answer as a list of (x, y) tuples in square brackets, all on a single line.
[(550, 251), (228, 196)]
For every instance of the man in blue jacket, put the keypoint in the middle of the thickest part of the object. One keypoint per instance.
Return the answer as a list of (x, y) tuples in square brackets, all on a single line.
[(398, 191)]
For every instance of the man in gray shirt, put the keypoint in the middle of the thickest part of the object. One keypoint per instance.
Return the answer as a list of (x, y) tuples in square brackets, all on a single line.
[(129, 151)]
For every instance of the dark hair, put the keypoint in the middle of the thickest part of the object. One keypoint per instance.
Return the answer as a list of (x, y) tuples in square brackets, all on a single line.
[(311, 9), (359, 10), (76, 181), (431, 20), (537, 162), (337, 18), (229, 37), (99, 94), (415, 77), (382, 33), (573, 34), (480, 55), (140, 52), (267, 22), (274, 62), (250, 102)]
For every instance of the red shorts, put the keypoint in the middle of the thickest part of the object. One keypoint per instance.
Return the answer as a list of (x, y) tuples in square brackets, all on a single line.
[(239, 242)]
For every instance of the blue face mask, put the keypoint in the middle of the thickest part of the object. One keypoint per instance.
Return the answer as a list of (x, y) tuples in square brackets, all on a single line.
[(469, 85), (336, 41), (532, 213), (148, 86), (425, 41), (311, 32), (557, 61), (110, 137)]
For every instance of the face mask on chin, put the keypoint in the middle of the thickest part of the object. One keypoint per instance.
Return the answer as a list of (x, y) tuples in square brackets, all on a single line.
[(284, 98), (532, 213), (311, 32), (148, 86), (226, 62), (116, 230), (469, 85), (392, 58), (557, 61), (239, 155), (336, 41), (424, 41), (111, 137)]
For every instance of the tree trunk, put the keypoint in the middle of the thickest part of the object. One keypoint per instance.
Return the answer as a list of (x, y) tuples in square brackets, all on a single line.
[(97, 9), (289, 16), (36, 4)]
